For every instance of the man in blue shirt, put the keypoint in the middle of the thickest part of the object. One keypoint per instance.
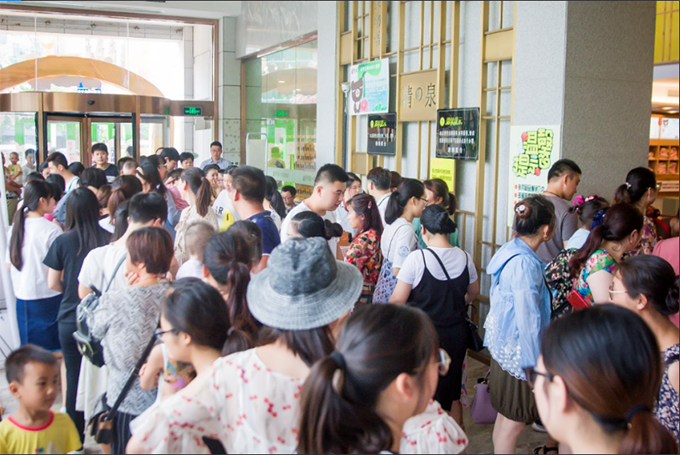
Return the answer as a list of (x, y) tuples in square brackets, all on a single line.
[(247, 195), (216, 157)]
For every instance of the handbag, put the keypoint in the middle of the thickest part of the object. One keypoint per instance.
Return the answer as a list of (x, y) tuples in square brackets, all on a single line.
[(577, 301), (101, 422), (89, 346), (475, 342), (481, 410)]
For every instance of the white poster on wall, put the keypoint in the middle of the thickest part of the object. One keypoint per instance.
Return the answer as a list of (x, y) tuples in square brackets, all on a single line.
[(370, 87), (533, 150)]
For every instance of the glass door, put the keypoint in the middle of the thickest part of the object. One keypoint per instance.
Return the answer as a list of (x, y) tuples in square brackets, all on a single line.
[(116, 133), (65, 135)]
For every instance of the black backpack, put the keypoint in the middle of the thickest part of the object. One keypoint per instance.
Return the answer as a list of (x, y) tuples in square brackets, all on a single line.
[(89, 346), (560, 283)]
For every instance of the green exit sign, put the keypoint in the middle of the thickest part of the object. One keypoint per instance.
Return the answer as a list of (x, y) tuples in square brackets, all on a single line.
[(192, 110), (281, 113)]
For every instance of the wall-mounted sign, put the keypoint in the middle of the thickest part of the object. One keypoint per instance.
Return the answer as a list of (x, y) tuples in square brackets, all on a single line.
[(533, 149), (458, 133), (192, 110), (382, 134), (418, 96), (670, 128), (370, 88), (441, 168), (281, 113)]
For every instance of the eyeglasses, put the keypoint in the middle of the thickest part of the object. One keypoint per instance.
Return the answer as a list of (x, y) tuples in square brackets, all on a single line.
[(426, 201), (612, 292), (532, 374), (159, 333), (444, 363)]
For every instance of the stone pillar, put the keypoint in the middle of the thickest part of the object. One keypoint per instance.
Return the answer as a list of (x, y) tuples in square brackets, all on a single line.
[(229, 87)]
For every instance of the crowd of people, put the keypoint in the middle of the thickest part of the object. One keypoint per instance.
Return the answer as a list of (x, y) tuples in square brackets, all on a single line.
[(255, 322)]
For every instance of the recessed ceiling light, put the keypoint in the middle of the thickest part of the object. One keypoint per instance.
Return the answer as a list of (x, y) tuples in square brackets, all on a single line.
[(666, 108), (282, 82)]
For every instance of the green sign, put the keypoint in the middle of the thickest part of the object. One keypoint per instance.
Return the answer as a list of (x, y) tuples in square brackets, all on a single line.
[(281, 113), (192, 110)]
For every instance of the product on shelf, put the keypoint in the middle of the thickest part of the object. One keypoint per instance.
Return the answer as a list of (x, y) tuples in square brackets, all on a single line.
[(673, 167), (662, 169), (673, 154), (651, 155), (663, 154)]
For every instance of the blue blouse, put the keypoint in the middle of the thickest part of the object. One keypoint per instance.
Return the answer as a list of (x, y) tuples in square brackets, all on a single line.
[(520, 307)]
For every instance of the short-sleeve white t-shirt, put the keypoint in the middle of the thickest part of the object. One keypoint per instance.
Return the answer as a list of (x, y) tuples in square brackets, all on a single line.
[(382, 208), (398, 240), (30, 283), (99, 265), (302, 207), (454, 260)]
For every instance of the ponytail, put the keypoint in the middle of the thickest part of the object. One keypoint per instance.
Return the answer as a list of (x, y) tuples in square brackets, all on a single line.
[(409, 188), (33, 192), (654, 278), (638, 181), (120, 220), (437, 220), (330, 423), (332, 229), (645, 434), (440, 190), (201, 187), (339, 398)]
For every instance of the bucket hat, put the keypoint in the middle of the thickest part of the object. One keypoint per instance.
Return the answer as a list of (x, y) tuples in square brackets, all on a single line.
[(303, 287)]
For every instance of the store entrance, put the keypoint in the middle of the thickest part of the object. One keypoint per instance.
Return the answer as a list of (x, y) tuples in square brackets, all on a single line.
[(71, 123)]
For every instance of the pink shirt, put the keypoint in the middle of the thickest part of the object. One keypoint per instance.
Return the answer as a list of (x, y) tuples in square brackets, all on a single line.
[(668, 249), (179, 202)]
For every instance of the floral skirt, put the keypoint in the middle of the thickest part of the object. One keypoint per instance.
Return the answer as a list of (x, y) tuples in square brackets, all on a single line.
[(386, 283)]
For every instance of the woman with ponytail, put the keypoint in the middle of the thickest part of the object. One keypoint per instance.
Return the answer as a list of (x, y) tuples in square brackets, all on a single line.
[(194, 327), (616, 231), (273, 202), (364, 252), (648, 286), (196, 191), (399, 238), (30, 239), (228, 260), (437, 193), (640, 191), (359, 398), (595, 388), (123, 188), (442, 281), (586, 208)]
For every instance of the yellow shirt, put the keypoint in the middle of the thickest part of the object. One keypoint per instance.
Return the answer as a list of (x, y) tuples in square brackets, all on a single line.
[(58, 436)]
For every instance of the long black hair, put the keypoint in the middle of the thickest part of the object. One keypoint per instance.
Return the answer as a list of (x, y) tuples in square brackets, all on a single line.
[(200, 186), (609, 375), (150, 174), (409, 188), (274, 197), (33, 192), (638, 181), (228, 258), (82, 214), (340, 395)]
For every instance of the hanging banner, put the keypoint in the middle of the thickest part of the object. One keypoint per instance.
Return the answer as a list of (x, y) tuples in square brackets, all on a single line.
[(445, 169), (533, 150), (458, 133), (382, 135), (370, 87)]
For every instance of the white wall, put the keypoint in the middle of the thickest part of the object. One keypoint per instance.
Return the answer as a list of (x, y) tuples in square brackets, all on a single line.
[(327, 84)]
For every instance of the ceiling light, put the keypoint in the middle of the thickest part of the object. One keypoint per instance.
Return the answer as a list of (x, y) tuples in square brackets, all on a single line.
[(666, 108), (282, 82)]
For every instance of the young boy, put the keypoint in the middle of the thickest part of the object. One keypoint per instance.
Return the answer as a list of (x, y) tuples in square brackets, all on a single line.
[(186, 159), (15, 170), (196, 238), (33, 379)]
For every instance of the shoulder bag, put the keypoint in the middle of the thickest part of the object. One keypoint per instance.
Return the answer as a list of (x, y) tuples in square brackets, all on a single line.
[(89, 346), (101, 422)]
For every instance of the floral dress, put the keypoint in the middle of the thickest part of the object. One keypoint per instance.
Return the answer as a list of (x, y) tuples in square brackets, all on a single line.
[(667, 409), (648, 238), (599, 260), (365, 254)]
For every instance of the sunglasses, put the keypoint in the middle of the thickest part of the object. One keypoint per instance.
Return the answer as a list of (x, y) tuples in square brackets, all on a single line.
[(532, 374)]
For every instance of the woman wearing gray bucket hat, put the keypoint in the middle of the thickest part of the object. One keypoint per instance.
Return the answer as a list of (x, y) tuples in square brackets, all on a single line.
[(303, 296)]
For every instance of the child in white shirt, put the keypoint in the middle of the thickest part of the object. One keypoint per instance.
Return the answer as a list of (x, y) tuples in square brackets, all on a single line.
[(197, 237)]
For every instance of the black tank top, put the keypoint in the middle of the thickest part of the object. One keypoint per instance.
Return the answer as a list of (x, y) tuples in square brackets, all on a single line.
[(443, 301)]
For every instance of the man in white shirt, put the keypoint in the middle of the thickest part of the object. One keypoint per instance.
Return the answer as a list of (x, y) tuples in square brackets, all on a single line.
[(342, 212), (216, 157), (146, 210), (379, 180), (329, 189)]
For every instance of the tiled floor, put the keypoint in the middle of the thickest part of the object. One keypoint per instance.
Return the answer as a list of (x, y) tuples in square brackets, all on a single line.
[(479, 435)]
